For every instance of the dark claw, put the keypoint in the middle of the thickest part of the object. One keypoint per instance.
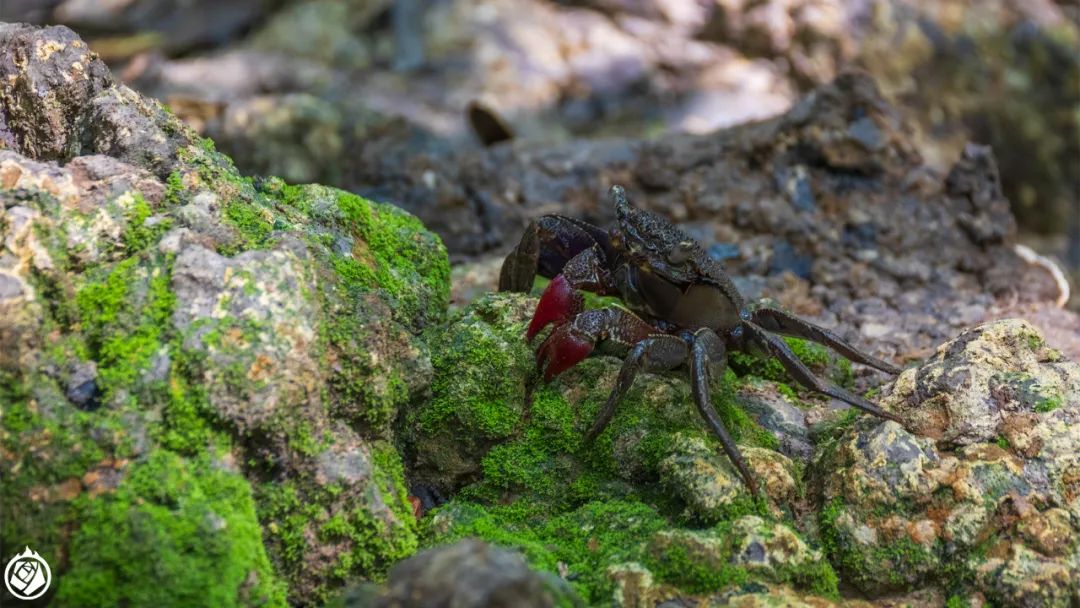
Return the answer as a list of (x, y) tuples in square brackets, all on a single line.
[(546, 247)]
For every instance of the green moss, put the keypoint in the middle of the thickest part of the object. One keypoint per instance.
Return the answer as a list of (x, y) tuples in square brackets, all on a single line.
[(817, 357), (302, 440), (826, 435), (683, 564), (67, 443), (813, 355), (538, 464), (586, 541), (1003, 442), (743, 428), (372, 405), (373, 550), (395, 254), (389, 477), (285, 517), (843, 373), (1034, 341), (583, 542), (124, 312), (788, 392), (477, 388), (137, 235), (185, 427), (253, 221), (295, 512), (1048, 404), (189, 525), (896, 563), (174, 189)]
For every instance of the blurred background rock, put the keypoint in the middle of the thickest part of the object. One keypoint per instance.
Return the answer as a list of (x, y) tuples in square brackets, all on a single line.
[(337, 91)]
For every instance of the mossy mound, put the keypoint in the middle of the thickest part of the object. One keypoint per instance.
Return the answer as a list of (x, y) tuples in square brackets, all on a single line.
[(190, 523), (512, 454), (590, 545), (153, 321)]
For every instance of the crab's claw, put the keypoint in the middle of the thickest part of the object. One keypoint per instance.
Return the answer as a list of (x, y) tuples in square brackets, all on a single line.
[(563, 349), (558, 304)]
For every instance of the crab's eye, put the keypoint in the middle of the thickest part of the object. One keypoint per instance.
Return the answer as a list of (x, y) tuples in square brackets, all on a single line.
[(680, 252)]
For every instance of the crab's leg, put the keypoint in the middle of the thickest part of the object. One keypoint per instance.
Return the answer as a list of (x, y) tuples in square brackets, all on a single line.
[(709, 351), (545, 247), (802, 374), (571, 342), (655, 353), (778, 321)]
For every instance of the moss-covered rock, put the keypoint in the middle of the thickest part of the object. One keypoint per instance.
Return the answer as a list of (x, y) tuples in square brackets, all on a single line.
[(492, 425), (190, 523), (971, 510), (897, 512), (185, 352), (466, 574), (512, 452)]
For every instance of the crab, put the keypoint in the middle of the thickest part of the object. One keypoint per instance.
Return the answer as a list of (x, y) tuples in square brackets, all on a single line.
[(681, 309)]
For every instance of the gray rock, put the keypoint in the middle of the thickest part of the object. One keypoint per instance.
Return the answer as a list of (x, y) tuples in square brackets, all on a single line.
[(775, 413), (60, 101), (469, 574)]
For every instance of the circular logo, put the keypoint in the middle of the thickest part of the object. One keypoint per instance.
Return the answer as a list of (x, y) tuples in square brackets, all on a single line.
[(27, 576)]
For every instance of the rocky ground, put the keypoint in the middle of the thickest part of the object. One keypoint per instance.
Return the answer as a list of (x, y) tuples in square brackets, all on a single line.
[(234, 390), (335, 92)]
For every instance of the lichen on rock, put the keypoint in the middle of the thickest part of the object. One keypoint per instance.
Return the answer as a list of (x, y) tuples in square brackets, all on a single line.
[(950, 500)]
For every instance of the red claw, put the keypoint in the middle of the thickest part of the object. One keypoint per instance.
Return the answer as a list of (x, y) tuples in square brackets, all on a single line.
[(562, 350), (557, 304)]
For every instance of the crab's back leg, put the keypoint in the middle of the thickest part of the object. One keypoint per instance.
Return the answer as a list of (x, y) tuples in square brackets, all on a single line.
[(776, 320), (778, 348), (545, 247), (708, 352)]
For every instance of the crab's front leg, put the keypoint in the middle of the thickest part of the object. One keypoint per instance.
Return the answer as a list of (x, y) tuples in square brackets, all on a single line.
[(571, 342)]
